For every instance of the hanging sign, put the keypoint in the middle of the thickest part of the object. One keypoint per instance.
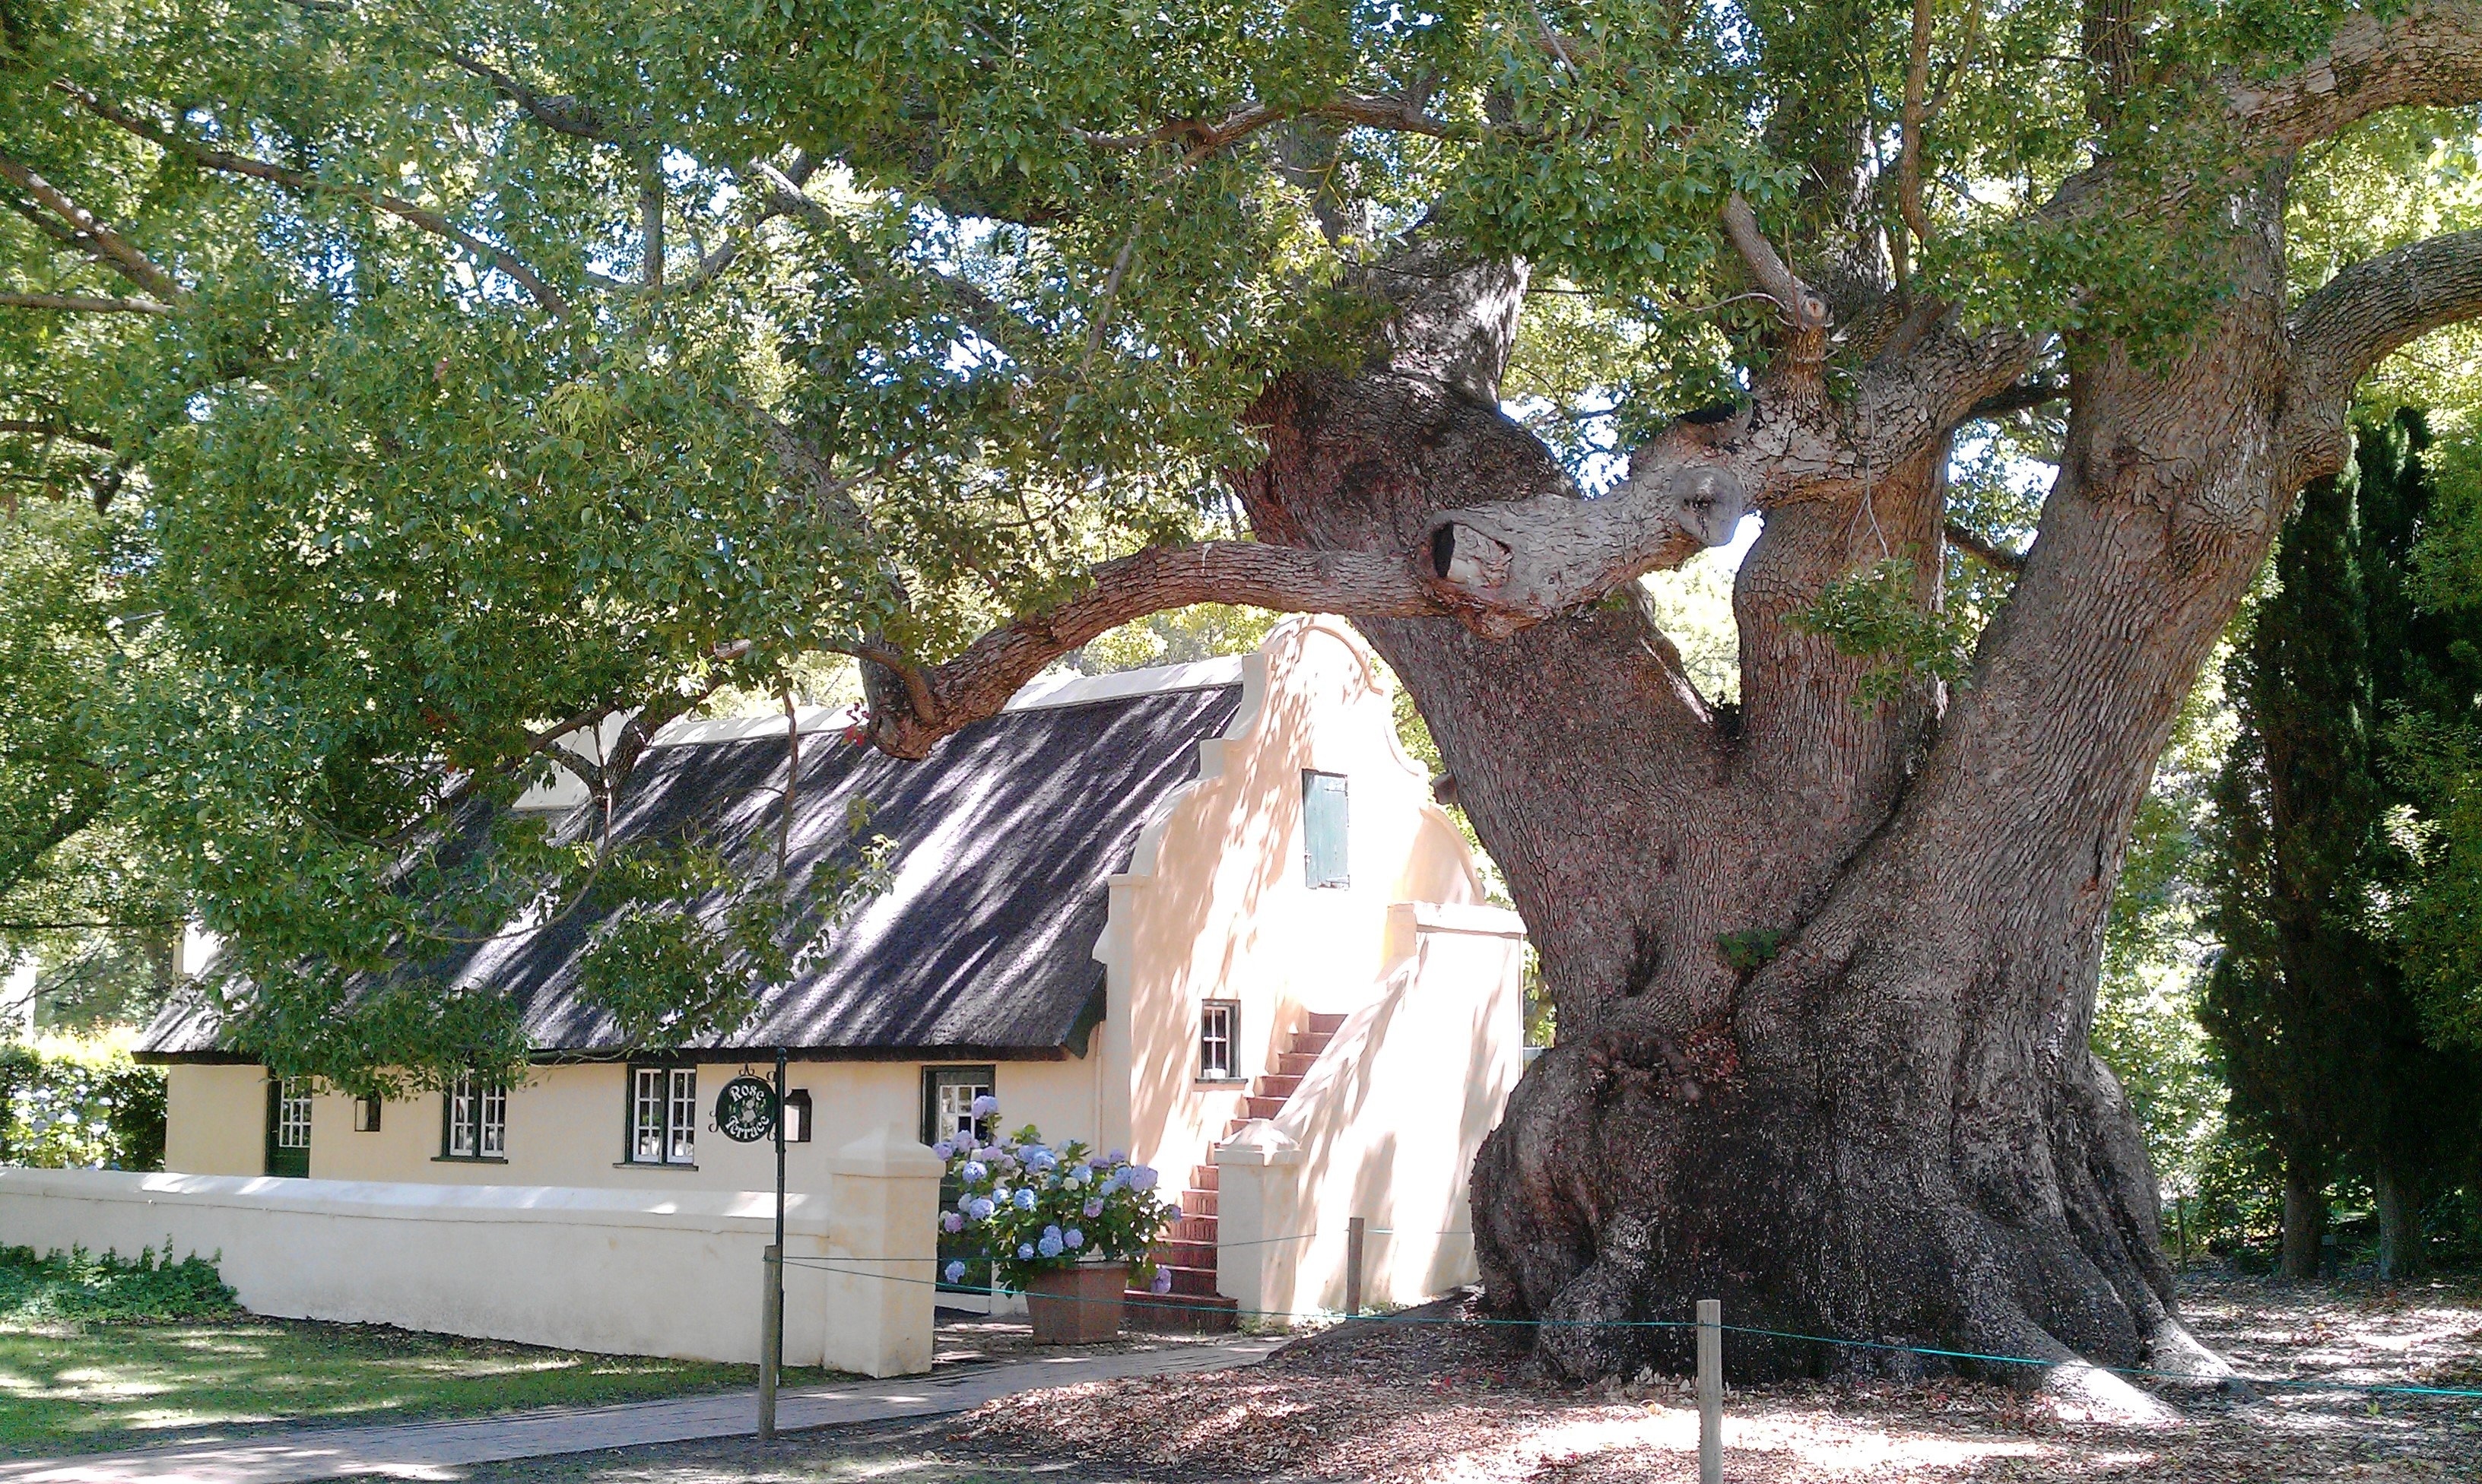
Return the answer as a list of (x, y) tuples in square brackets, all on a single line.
[(745, 1110)]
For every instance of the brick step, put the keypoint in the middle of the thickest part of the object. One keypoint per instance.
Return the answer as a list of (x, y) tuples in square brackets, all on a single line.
[(1198, 1202), (1175, 1253), (1201, 1177), (1307, 1044), (1190, 1229), (1328, 1024), (1178, 1314), (1293, 1063), (1275, 1084), (1261, 1107), (1191, 1282)]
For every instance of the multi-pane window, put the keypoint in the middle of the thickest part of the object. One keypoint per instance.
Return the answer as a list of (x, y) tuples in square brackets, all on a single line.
[(288, 1127), (1323, 829), (663, 1115), (475, 1117), (948, 1095), (1219, 1035)]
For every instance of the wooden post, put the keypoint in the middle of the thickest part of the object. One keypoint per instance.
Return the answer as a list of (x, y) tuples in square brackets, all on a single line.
[(1710, 1391), (1353, 1234), (770, 1324)]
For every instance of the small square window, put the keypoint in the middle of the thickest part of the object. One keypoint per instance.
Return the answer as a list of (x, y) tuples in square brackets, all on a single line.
[(1325, 830), (1219, 1040), (797, 1116), (366, 1115)]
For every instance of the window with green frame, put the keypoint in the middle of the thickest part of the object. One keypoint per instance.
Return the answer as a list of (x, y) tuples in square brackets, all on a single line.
[(474, 1120), (663, 1115), (288, 1126)]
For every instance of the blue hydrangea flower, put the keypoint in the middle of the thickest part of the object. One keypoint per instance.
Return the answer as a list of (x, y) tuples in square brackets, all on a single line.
[(952, 1223), (973, 1172), (965, 1200), (1142, 1177), (981, 1208), (1038, 1158), (1117, 1156), (1023, 1199), (1078, 1175), (1052, 1231), (1093, 1207), (945, 1150), (1073, 1239), (1163, 1281), (955, 1272), (984, 1105), (1049, 1246), (1025, 1252)]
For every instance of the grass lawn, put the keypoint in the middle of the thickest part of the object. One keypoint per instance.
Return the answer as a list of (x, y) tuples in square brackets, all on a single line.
[(96, 1354)]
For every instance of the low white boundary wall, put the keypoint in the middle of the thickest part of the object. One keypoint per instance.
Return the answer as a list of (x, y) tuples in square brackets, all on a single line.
[(630, 1272)]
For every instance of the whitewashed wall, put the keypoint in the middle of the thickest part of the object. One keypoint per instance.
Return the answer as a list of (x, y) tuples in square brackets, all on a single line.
[(1384, 1127), (633, 1273)]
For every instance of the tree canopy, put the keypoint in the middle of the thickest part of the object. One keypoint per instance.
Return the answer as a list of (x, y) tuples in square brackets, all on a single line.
[(451, 376)]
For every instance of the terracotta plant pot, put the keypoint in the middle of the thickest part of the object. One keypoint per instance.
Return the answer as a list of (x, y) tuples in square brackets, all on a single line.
[(1077, 1306)]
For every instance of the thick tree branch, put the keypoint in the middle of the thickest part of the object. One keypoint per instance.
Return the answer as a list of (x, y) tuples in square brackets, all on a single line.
[(66, 434), (1202, 137), (2362, 316), (2429, 54), (1990, 554), (80, 304), (1804, 309), (206, 157), (979, 682), (107, 246)]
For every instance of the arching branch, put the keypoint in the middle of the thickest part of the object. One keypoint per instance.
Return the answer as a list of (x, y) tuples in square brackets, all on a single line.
[(82, 303), (2363, 314), (2428, 54), (978, 681)]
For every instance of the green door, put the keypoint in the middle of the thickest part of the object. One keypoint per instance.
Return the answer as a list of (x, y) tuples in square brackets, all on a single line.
[(288, 1127)]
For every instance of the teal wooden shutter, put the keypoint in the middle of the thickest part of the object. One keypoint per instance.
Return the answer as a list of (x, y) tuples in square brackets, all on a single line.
[(1325, 829)]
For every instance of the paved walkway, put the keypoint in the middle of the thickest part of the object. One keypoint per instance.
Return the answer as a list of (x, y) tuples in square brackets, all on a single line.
[(433, 1450)]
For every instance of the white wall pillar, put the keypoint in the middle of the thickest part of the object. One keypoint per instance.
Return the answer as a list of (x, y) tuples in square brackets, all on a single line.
[(1257, 1205), (882, 1255)]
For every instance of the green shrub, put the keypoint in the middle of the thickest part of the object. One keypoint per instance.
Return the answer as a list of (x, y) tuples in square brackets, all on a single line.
[(78, 1284), (79, 1106)]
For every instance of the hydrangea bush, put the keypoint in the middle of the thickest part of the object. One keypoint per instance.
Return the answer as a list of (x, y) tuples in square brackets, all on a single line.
[(1029, 1208)]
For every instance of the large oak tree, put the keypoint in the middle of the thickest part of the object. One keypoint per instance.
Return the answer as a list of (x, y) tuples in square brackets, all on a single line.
[(467, 369)]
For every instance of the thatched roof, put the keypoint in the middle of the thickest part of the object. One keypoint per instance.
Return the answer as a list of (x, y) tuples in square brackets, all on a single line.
[(983, 944)]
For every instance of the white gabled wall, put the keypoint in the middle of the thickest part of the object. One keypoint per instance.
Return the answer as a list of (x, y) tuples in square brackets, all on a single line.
[(1215, 903)]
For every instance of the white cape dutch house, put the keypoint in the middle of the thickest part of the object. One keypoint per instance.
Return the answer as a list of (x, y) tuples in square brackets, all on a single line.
[(1207, 913)]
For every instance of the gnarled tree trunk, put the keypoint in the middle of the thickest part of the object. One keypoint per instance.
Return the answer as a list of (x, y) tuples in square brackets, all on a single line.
[(1824, 976)]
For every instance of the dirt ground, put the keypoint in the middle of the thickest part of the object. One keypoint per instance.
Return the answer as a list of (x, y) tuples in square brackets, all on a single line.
[(1428, 1404), (1431, 1403)]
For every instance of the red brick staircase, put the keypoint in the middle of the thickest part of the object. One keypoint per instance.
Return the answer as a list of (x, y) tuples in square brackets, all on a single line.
[(1187, 1250)]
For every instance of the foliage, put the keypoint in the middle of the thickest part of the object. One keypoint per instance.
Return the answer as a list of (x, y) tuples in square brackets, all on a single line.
[(73, 1105), (1180, 635), (80, 1285), (1026, 1207), (1878, 611)]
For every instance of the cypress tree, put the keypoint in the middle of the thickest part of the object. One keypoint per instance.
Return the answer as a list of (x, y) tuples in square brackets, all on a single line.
[(2319, 1036)]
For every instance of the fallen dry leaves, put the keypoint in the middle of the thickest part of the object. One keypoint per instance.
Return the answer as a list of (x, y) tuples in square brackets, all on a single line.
[(1438, 1404)]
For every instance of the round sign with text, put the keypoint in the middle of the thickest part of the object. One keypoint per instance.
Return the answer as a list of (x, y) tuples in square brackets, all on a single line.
[(745, 1110)]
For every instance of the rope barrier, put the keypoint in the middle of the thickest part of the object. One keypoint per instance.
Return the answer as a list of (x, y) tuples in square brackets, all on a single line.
[(1173, 1301)]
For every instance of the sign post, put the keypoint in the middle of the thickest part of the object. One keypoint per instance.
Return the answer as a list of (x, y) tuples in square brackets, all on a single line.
[(746, 1110)]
